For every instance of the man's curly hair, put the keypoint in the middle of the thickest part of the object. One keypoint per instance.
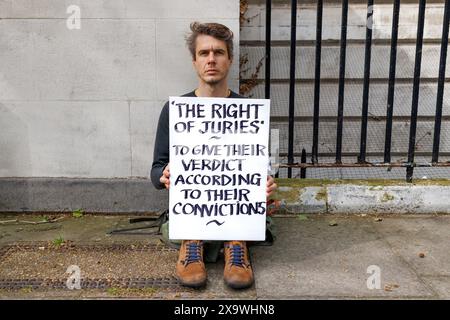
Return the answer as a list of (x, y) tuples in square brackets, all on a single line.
[(216, 30)]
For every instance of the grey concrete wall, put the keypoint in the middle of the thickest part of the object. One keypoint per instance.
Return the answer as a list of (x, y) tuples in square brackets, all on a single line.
[(85, 103), (70, 194)]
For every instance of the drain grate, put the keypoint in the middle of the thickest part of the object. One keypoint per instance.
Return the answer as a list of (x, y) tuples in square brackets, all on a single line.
[(125, 283), (68, 245), (86, 283)]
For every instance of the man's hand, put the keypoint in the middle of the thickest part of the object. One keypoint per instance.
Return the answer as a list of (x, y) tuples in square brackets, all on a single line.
[(165, 177), (270, 186)]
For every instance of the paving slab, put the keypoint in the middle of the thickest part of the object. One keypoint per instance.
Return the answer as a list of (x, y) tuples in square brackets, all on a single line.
[(86, 229), (420, 236), (328, 256), (440, 284)]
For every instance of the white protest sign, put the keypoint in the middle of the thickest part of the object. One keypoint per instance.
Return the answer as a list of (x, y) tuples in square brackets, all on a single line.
[(219, 160)]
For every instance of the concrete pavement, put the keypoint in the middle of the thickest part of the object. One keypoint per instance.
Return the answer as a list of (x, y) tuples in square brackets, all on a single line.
[(314, 257)]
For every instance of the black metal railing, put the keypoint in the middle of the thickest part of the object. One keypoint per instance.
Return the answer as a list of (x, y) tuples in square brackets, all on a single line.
[(441, 80), (340, 117), (292, 86), (391, 89), (361, 157)]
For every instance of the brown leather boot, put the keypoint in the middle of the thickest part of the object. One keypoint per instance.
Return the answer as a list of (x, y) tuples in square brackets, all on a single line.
[(238, 272), (190, 270)]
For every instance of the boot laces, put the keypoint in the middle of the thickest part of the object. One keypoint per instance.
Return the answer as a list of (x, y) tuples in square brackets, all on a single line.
[(193, 253), (237, 255)]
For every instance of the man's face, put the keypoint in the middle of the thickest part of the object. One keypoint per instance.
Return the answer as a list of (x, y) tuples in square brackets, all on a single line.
[(212, 62)]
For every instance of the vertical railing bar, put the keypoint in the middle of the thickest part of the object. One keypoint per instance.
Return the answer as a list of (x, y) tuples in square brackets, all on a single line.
[(343, 49), (292, 85), (365, 105), (391, 88), (441, 82), (416, 89), (303, 160), (268, 46), (315, 150)]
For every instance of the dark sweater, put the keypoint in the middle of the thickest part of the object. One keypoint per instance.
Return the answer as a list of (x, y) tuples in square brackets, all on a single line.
[(161, 151)]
